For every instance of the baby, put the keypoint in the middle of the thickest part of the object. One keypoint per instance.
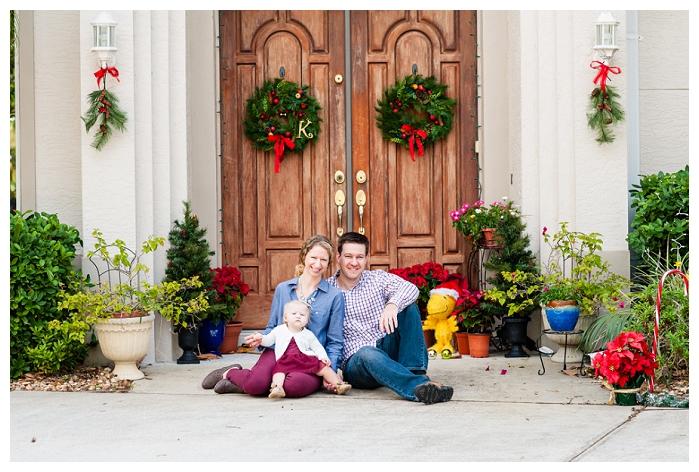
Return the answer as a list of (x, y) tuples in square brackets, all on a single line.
[(298, 350)]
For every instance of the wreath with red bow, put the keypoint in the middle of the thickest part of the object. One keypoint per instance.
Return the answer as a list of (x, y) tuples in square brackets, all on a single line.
[(415, 112), (282, 116)]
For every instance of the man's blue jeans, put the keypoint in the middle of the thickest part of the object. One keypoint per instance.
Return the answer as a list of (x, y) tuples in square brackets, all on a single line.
[(397, 362)]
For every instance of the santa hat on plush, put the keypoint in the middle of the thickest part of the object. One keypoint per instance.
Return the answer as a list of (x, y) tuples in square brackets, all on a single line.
[(450, 289)]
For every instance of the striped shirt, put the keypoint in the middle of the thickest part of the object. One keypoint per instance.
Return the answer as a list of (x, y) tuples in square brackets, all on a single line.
[(364, 304)]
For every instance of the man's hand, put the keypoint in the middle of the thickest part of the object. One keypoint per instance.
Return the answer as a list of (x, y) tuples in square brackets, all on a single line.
[(253, 340), (389, 318)]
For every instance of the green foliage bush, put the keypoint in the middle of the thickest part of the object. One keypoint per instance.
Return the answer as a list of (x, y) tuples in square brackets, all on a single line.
[(661, 223), (41, 255)]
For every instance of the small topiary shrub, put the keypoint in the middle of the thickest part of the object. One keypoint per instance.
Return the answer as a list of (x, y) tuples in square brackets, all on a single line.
[(42, 250)]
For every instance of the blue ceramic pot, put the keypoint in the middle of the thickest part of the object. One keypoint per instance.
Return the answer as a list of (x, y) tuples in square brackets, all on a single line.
[(211, 336), (562, 316)]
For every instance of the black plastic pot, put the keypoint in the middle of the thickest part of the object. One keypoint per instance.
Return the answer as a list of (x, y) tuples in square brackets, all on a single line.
[(515, 332), (188, 340)]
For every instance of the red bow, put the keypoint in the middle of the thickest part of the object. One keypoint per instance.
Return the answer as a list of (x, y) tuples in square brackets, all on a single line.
[(407, 129), (102, 72), (604, 70), (279, 143)]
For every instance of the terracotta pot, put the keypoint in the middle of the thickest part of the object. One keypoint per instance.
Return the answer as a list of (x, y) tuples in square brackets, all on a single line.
[(462, 342), (231, 337), (479, 344), (490, 239), (430, 340)]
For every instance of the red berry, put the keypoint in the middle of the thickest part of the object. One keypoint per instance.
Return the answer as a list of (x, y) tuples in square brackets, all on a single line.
[(272, 128), (399, 104), (402, 135), (395, 110), (300, 91), (300, 114), (429, 92), (420, 87), (276, 100), (287, 134), (273, 93), (262, 116), (432, 117), (303, 105)]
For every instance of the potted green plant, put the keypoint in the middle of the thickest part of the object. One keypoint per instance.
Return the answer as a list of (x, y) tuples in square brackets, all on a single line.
[(574, 262), (121, 305), (189, 255), (225, 297)]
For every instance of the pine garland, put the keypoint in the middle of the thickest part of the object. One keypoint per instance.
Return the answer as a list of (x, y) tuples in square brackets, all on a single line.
[(282, 116), (605, 111), (103, 107), (413, 105)]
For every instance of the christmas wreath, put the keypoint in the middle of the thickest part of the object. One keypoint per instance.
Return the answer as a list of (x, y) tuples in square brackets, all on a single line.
[(282, 115), (103, 106), (415, 112), (606, 110)]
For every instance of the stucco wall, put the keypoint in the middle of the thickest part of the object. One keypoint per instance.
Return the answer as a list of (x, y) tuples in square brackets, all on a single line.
[(663, 54), (57, 109)]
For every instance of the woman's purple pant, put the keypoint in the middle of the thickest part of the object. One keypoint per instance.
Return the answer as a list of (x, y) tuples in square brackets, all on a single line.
[(256, 381)]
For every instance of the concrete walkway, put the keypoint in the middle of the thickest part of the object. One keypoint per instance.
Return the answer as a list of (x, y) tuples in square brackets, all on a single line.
[(515, 416)]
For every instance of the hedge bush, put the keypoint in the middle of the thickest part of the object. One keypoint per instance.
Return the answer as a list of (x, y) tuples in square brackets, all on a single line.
[(42, 250)]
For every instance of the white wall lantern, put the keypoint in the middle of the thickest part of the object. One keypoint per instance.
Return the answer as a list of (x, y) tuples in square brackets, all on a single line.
[(605, 36), (104, 38)]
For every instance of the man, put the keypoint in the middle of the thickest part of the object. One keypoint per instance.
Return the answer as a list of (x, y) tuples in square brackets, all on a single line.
[(382, 332)]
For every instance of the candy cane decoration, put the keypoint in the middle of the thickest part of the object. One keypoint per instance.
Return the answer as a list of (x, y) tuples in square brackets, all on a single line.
[(657, 314)]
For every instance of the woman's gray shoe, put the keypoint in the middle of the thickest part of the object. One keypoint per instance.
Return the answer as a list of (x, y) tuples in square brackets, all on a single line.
[(212, 379), (433, 392), (226, 386)]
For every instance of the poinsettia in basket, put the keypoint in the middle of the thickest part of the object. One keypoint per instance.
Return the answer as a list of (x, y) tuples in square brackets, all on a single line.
[(625, 365)]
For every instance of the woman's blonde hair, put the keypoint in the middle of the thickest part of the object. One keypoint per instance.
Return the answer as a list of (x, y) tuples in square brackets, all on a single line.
[(310, 243)]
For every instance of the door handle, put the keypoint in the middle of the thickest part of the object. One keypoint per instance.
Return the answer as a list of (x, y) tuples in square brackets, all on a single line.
[(339, 201), (360, 198)]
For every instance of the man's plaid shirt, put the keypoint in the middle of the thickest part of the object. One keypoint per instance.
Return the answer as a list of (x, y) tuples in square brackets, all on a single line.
[(364, 304)]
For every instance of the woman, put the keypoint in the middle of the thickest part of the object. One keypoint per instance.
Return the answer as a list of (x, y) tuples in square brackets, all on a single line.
[(327, 306)]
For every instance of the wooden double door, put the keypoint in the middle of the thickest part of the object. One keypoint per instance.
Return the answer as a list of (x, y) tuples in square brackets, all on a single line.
[(348, 59)]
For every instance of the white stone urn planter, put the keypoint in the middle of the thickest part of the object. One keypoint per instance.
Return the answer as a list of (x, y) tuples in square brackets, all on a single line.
[(125, 341), (572, 354)]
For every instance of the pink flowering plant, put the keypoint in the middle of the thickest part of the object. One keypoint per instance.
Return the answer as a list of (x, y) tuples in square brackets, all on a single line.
[(471, 218), (627, 362), (226, 294)]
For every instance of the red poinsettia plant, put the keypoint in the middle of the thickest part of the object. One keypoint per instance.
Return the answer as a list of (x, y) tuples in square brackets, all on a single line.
[(426, 277), (468, 315), (226, 294), (627, 361)]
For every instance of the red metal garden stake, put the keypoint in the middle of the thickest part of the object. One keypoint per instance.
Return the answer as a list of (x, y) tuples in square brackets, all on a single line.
[(657, 314)]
